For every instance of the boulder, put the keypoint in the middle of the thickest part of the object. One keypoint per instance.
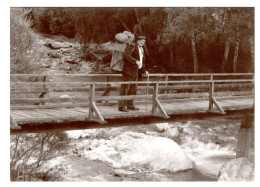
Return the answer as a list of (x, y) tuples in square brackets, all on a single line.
[(238, 169), (140, 150), (57, 45), (161, 127), (171, 133), (64, 67), (53, 54), (69, 59)]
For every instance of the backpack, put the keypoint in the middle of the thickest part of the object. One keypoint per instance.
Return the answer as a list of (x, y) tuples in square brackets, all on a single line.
[(122, 40)]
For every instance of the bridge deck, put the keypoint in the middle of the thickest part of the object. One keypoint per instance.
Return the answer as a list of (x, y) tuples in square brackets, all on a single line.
[(59, 115)]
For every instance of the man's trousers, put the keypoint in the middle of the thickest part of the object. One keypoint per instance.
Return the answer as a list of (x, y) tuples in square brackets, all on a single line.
[(127, 89)]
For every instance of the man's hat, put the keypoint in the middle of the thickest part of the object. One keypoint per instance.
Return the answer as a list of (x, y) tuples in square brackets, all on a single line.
[(141, 38)]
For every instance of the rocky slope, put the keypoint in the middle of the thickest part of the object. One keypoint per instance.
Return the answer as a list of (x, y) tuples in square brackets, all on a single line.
[(72, 57)]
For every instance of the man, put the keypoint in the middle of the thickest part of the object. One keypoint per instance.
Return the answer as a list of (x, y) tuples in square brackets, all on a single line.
[(133, 68)]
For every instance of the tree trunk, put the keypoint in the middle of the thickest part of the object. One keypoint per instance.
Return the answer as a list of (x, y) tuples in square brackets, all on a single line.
[(225, 55), (172, 55), (252, 50), (194, 53), (235, 57)]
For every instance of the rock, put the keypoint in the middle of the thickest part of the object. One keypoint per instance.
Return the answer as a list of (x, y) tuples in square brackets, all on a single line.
[(171, 133), (151, 133), (57, 45), (161, 127), (74, 134), (238, 169), (54, 64), (44, 65), (138, 149), (84, 67), (69, 59), (64, 67), (53, 54)]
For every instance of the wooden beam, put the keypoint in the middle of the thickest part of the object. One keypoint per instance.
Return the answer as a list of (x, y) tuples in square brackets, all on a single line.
[(66, 84), (91, 100), (98, 114), (93, 108), (157, 104), (155, 93), (13, 123), (211, 92), (161, 109), (218, 106)]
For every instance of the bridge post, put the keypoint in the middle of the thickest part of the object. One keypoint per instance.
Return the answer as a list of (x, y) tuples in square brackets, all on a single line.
[(211, 92), (93, 107), (245, 144), (212, 100), (91, 100), (156, 103), (155, 93)]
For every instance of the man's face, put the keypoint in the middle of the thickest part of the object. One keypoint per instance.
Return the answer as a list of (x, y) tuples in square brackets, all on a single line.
[(141, 42)]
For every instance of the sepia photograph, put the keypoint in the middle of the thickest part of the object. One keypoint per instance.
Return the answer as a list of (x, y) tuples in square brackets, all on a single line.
[(132, 94)]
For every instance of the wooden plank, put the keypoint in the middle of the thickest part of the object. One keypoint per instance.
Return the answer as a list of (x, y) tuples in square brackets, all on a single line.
[(48, 100), (23, 114), (66, 84), (91, 101), (119, 75), (81, 110), (116, 88), (161, 109), (49, 106), (72, 112), (13, 123), (48, 112), (98, 114), (34, 113), (155, 94)]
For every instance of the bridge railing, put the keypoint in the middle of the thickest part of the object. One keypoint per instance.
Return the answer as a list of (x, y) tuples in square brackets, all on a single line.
[(33, 89), (30, 91)]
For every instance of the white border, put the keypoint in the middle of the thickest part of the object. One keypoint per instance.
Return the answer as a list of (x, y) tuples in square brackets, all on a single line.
[(5, 67)]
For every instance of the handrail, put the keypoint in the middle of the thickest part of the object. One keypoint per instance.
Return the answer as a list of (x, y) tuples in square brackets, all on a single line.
[(151, 75), (138, 82)]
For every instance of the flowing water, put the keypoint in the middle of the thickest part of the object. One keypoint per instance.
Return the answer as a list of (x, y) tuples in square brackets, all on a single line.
[(208, 142)]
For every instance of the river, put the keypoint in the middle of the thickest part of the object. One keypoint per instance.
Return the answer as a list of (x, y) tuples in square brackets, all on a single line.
[(208, 142)]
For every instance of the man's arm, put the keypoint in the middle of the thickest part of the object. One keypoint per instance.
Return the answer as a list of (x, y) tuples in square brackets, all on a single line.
[(128, 54)]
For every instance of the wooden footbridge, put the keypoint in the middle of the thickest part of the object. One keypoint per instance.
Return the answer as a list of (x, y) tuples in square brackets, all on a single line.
[(38, 99)]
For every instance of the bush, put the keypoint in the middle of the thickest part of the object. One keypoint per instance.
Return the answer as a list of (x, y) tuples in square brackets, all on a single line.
[(25, 51), (30, 154)]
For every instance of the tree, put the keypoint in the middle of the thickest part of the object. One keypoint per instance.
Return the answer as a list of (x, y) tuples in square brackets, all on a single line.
[(190, 23), (31, 152)]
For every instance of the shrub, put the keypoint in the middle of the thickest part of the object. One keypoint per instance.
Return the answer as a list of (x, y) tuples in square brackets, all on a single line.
[(25, 51), (30, 154)]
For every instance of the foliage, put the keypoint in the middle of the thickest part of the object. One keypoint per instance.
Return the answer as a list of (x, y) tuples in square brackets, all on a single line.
[(168, 32), (30, 154), (25, 52)]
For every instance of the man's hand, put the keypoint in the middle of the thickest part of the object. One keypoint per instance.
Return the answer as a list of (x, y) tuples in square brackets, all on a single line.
[(139, 64), (146, 73)]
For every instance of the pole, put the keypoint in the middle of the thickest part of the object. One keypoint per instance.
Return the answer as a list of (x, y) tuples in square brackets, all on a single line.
[(147, 91)]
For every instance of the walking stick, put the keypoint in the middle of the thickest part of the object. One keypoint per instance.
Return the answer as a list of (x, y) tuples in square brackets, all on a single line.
[(147, 91)]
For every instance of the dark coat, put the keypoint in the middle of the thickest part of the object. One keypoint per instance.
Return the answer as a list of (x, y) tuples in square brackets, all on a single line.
[(131, 55)]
